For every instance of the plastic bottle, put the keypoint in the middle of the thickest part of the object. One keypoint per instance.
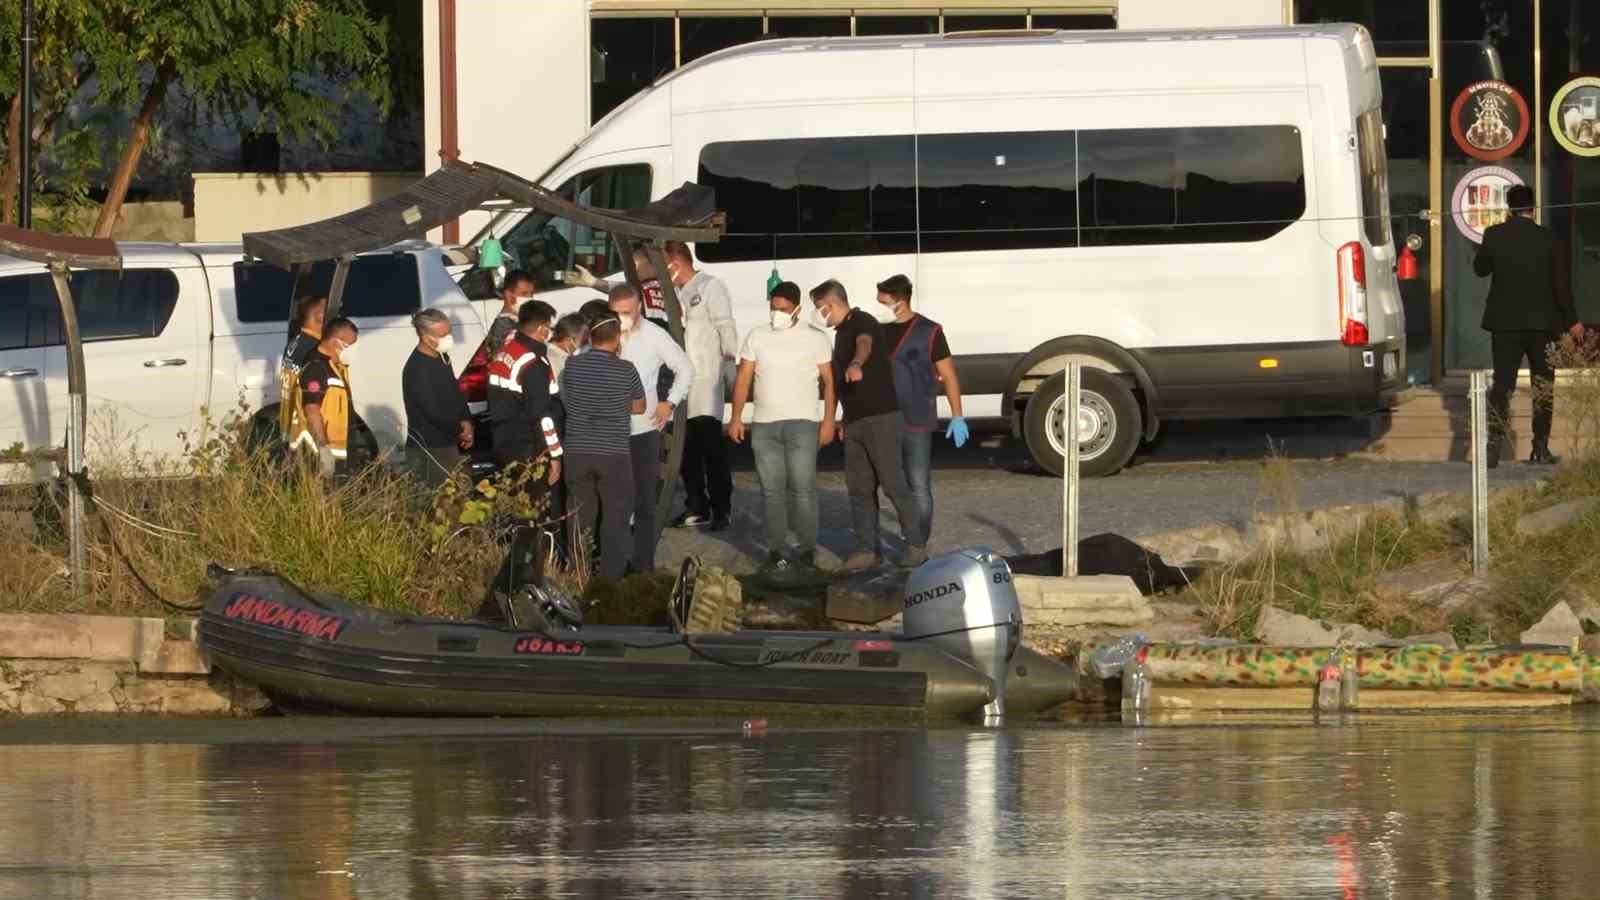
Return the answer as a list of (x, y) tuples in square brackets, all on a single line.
[(1329, 687), (1107, 661), (1136, 687), (1349, 682)]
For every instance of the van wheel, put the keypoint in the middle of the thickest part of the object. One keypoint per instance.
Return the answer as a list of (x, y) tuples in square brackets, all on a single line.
[(1108, 424)]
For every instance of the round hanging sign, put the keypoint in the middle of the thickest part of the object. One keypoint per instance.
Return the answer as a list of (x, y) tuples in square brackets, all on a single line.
[(1575, 116), (1479, 200), (1489, 120)]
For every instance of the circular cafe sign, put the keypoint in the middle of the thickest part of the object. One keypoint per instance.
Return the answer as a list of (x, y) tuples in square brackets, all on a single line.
[(1575, 116), (1480, 200), (1489, 120)]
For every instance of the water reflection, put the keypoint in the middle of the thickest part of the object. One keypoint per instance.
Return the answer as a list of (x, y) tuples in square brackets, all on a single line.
[(1388, 807)]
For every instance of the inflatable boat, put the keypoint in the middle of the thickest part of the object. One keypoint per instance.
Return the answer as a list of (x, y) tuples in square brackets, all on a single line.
[(959, 656)]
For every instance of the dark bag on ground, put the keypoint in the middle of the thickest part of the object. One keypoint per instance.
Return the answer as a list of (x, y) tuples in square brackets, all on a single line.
[(1111, 554)]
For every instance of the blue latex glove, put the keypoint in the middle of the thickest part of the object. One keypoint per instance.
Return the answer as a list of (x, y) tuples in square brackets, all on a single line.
[(957, 431)]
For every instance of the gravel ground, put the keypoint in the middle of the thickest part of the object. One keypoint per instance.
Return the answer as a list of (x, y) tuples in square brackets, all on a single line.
[(988, 496)]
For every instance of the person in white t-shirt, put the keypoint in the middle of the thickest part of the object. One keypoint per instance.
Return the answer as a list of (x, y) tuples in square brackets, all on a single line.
[(784, 362)]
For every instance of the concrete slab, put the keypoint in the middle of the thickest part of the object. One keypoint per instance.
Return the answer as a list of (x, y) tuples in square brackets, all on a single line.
[(30, 636), (1084, 600)]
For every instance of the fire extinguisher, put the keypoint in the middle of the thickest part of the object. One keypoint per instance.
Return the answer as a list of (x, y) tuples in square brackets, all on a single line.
[(1405, 267)]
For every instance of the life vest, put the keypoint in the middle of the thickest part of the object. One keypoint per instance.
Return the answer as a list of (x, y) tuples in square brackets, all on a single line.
[(295, 356), (335, 407), (916, 385)]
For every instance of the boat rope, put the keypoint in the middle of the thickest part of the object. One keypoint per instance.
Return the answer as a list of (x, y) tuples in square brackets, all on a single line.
[(81, 478)]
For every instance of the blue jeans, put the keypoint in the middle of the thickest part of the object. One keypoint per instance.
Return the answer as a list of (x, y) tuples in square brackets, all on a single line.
[(786, 462), (916, 457)]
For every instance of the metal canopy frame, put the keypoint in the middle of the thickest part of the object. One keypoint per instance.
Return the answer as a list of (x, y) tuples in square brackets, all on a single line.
[(460, 187), (59, 253)]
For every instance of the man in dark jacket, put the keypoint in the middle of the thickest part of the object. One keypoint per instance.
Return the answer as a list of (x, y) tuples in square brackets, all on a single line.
[(437, 420), (524, 403), (1529, 305)]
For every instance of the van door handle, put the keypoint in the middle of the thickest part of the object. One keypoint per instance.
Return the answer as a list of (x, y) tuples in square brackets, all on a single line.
[(164, 363), (19, 373)]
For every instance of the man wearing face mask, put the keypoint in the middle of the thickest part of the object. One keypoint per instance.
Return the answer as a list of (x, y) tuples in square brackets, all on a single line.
[(570, 333), (437, 420), (323, 418), (712, 340), (516, 290), (784, 363), (648, 347), (919, 357), (524, 402), (655, 307), (871, 429)]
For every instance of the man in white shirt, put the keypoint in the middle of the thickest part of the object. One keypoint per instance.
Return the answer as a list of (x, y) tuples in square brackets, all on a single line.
[(784, 361), (649, 347), (712, 340)]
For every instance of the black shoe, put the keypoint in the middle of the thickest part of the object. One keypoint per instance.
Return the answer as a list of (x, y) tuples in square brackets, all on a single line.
[(721, 522), (690, 520), (1543, 457)]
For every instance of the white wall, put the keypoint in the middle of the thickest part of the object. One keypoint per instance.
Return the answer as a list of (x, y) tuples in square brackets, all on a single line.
[(1198, 13), (228, 204), (522, 84)]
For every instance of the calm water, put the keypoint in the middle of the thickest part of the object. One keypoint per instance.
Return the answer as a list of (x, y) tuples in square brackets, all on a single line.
[(1391, 807)]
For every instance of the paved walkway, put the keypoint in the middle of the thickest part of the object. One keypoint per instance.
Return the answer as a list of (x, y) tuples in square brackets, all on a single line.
[(988, 498)]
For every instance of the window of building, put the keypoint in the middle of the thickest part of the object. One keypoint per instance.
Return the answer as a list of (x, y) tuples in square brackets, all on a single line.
[(882, 25), (997, 191), (379, 284), (701, 35), (808, 26), (1189, 185), (1074, 22), (111, 306), (1398, 27), (984, 23), (629, 54), (799, 199)]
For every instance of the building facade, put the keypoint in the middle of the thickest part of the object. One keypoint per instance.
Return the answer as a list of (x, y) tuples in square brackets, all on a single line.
[(1478, 95)]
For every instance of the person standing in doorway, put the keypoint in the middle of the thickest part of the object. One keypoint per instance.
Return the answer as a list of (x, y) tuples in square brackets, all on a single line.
[(712, 341), (871, 430), (602, 394), (920, 359), (649, 348), (784, 363), (438, 425), (1529, 306)]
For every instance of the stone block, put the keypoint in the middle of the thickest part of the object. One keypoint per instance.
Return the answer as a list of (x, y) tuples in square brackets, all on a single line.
[(1425, 582), (1085, 600), (73, 686), (178, 658), (1280, 628), (1555, 518), (1205, 544), (27, 636), (1559, 627)]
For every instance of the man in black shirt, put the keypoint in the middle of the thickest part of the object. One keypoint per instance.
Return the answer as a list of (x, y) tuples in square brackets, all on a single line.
[(1529, 305), (871, 427), (437, 420)]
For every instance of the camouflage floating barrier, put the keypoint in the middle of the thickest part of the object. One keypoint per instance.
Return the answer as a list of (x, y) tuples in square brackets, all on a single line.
[(1419, 667)]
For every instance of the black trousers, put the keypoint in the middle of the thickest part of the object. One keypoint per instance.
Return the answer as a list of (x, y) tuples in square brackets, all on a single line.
[(707, 474), (1509, 349)]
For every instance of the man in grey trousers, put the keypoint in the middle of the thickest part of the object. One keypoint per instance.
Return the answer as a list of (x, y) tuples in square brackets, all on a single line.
[(871, 427)]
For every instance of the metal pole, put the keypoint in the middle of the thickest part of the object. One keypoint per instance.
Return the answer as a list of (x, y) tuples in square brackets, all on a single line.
[(1069, 472), (1478, 395), (77, 423), (341, 274), (680, 416), (25, 134)]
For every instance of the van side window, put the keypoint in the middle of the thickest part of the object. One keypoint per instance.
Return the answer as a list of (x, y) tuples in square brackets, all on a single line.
[(547, 245), (814, 197), (1189, 185), (999, 191), (133, 303), (382, 284)]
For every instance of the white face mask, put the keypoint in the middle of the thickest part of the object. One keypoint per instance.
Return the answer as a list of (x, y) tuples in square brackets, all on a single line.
[(628, 320), (782, 321), (819, 318), (347, 353), (884, 314), (444, 344)]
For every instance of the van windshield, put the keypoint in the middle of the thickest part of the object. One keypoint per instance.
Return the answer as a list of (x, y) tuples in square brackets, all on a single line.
[(1374, 177)]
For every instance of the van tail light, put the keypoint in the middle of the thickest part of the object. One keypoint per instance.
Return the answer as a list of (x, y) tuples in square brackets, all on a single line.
[(1352, 296), (474, 380)]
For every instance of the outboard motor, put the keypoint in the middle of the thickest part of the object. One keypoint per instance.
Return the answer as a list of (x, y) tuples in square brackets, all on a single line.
[(965, 602)]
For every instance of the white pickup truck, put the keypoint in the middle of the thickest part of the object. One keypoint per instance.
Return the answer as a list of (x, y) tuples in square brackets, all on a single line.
[(187, 327)]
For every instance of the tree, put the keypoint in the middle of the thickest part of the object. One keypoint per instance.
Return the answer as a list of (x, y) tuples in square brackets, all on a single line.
[(280, 63), (59, 72)]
